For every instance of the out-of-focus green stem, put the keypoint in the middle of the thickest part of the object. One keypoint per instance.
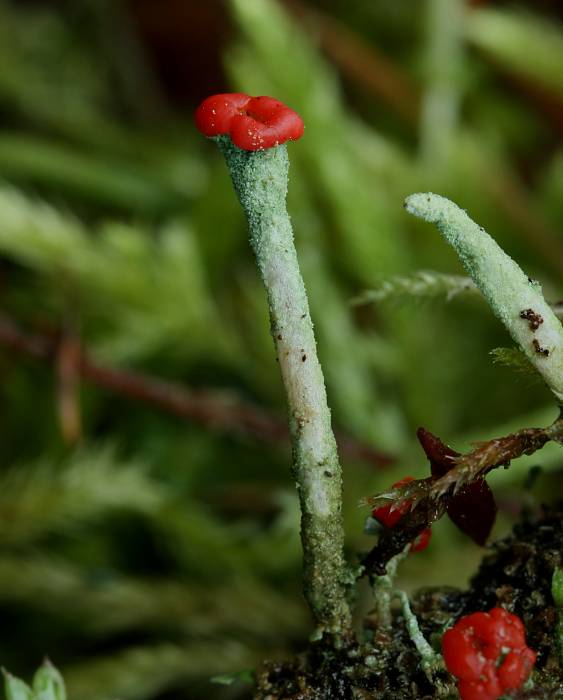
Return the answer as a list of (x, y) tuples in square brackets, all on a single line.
[(108, 182), (444, 55), (260, 181), (520, 41), (383, 590)]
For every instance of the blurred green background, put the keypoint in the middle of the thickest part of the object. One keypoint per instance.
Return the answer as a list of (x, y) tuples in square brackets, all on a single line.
[(148, 522)]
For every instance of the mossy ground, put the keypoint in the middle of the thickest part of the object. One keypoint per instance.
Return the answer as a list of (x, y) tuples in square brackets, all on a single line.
[(516, 575)]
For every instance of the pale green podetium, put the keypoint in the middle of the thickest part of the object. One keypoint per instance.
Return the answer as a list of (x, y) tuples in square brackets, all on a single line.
[(557, 593), (514, 298), (260, 180)]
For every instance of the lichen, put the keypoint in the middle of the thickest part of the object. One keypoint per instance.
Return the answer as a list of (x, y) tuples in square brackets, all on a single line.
[(260, 180), (513, 297)]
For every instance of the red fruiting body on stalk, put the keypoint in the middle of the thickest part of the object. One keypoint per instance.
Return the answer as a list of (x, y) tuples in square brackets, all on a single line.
[(487, 652), (214, 115), (267, 123), (390, 516), (253, 123)]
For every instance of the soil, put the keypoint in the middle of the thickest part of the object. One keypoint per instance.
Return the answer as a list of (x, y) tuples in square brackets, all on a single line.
[(515, 575)]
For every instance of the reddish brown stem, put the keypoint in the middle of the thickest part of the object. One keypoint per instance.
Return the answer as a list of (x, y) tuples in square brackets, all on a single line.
[(217, 410), (67, 367)]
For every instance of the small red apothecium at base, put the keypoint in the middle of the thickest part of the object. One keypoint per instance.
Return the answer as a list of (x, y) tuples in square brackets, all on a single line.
[(488, 655), (390, 516), (253, 123)]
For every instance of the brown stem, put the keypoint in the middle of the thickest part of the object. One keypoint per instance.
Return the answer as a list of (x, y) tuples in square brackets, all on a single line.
[(473, 465), (515, 200), (216, 410), (456, 487), (67, 367)]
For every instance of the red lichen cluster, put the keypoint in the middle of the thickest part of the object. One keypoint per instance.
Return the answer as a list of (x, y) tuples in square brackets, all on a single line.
[(487, 653), (390, 515), (253, 123)]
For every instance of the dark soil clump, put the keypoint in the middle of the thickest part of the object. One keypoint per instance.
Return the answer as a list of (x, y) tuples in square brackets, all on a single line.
[(516, 575)]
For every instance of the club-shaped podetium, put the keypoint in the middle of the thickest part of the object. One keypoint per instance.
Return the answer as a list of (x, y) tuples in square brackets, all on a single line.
[(251, 133)]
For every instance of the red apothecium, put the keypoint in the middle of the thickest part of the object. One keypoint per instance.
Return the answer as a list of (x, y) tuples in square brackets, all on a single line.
[(487, 653), (253, 123)]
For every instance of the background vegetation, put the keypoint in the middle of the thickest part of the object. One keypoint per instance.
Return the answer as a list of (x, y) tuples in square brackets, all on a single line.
[(148, 523)]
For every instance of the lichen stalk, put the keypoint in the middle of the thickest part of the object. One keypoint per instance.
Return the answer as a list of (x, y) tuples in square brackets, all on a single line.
[(428, 656), (514, 298), (260, 180), (383, 590), (557, 593)]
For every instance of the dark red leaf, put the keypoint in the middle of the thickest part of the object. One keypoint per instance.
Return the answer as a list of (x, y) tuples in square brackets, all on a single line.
[(473, 508), (439, 454)]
